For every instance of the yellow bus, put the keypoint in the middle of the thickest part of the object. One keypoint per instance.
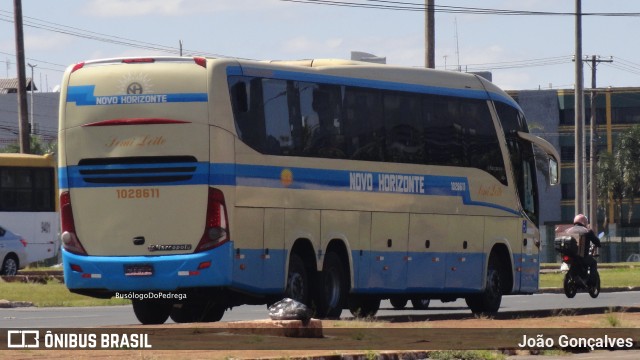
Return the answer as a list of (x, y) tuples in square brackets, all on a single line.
[(28, 203), (194, 185)]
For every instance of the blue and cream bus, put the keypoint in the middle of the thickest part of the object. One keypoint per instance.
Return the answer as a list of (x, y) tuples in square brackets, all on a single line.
[(195, 185)]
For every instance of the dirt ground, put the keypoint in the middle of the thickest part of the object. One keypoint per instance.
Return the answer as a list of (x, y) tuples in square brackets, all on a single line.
[(604, 322)]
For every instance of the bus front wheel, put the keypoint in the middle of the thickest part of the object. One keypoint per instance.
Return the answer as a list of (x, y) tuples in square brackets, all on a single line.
[(488, 301), (152, 312)]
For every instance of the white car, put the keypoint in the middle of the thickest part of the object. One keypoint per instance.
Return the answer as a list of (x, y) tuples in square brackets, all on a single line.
[(633, 258), (13, 252)]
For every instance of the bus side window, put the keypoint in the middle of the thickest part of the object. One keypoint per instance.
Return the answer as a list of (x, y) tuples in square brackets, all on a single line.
[(364, 126), (402, 113), (324, 117), (483, 148), (43, 188), (246, 95), (239, 97), (278, 140), (438, 131)]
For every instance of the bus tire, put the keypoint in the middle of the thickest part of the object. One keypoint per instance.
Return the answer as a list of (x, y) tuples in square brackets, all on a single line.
[(420, 303), (333, 288), (362, 306), (398, 302), (181, 313), (297, 280), (9, 266), (213, 312), (197, 311), (488, 301), (152, 312)]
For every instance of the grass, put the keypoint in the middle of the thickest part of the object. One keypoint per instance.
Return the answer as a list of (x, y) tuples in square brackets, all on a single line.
[(51, 294), (618, 277)]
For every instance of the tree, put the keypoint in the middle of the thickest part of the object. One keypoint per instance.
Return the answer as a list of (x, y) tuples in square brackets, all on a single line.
[(619, 174), (609, 185), (38, 147), (628, 155)]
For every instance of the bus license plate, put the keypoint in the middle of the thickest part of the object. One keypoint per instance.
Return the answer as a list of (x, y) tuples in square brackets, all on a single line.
[(138, 270)]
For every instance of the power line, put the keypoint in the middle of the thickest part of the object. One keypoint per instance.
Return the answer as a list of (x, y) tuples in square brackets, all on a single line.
[(5, 16), (420, 7), (558, 60)]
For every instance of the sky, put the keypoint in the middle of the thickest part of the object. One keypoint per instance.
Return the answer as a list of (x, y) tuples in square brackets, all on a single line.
[(522, 51)]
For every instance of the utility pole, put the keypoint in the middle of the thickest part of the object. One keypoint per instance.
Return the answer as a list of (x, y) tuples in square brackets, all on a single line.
[(579, 114), (593, 197), (25, 144), (429, 36), (31, 121)]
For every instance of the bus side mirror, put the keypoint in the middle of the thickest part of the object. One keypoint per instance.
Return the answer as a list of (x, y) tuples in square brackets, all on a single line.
[(553, 171), (554, 157)]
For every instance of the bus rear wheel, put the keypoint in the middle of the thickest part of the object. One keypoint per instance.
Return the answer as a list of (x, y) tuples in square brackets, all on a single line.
[(333, 288), (152, 312), (197, 311), (297, 280)]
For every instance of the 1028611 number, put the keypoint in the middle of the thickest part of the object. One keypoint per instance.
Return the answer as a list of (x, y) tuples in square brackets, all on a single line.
[(151, 193)]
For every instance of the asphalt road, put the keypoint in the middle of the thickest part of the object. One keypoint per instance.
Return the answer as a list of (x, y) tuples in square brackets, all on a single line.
[(75, 317)]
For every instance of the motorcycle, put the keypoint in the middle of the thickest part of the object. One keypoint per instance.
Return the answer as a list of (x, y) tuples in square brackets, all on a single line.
[(577, 276)]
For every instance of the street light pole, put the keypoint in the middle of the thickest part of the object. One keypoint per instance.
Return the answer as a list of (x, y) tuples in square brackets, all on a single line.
[(579, 114), (31, 121)]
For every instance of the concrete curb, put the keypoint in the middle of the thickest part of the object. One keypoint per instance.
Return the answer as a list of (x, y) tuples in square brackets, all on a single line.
[(6, 304), (604, 290)]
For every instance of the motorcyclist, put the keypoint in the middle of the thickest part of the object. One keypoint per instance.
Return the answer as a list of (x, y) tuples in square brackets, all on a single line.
[(581, 227)]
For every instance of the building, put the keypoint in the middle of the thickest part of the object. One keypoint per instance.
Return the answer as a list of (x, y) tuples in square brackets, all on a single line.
[(45, 112)]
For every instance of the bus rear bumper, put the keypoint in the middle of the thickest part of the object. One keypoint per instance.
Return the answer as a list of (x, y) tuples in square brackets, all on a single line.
[(107, 274)]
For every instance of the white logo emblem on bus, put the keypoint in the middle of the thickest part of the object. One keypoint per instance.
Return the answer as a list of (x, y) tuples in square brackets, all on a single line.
[(134, 88), (135, 84)]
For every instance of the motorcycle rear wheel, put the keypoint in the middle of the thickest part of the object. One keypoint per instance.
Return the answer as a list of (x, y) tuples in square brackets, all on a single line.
[(570, 286), (594, 290)]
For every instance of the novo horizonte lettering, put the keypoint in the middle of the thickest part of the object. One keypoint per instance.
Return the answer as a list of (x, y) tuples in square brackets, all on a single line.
[(400, 183)]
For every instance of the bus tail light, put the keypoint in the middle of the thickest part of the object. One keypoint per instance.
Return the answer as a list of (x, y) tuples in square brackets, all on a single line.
[(216, 230), (77, 67), (200, 61), (69, 238)]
